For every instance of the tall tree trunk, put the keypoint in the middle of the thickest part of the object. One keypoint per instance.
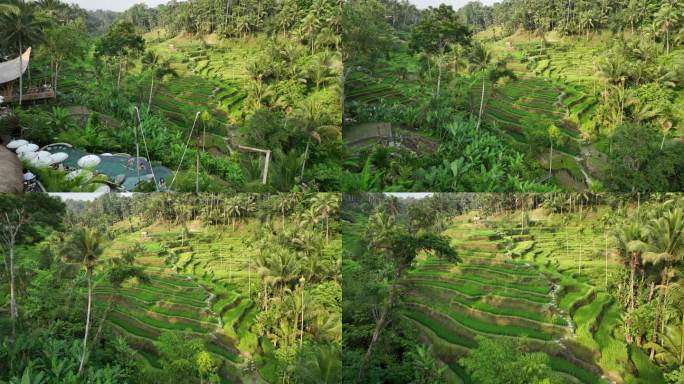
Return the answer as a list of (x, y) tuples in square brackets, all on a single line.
[(87, 329), (681, 343), (632, 272), (327, 230), (667, 40), (306, 155), (21, 73), (551, 160), (664, 279), (379, 326), (606, 236), (104, 317), (118, 80), (149, 101), (439, 78), (301, 335), (14, 313), (479, 116), (56, 78)]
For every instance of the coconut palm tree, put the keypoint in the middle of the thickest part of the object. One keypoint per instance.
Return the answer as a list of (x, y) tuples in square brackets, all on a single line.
[(380, 229), (441, 60), (8, 8), (631, 242), (50, 7), (20, 27), (481, 58), (315, 125), (327, 204), (324, 366), (285, 203), (666, 249), (670, 350), (86, 246), (234, 210), (482, 61), (666, 17), (309, 28), (159, 70)]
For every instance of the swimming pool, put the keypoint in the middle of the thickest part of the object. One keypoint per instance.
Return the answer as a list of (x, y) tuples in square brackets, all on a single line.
[(116, 166)]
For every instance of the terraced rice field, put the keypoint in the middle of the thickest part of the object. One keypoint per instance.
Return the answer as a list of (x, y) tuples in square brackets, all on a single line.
[(384, 83), (200, 283), (574, 67), (510, 104), (212, 77), (524, 283)]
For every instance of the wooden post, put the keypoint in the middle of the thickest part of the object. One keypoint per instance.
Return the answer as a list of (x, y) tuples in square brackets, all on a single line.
[(267, 152), (268, 159)]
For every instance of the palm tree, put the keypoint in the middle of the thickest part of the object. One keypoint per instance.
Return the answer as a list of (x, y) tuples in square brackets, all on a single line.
[(309, 27), (234, 210), (8, 8), (20, 27), (50, 7), (311, 112), (380, 229), (285, 203), (482, 60), (425, 367), (666, 243), (670, 351), (323, 367), (86, 246), (440, 63), (631, 244), (159, 68), (318, 69), (665, 19), (327, 204)]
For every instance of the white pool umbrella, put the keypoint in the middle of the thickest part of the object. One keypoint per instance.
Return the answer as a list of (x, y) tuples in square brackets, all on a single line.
[(14, 144), (89, 161), (27, 148), (27, 155), (58, 157), (87, 175), (42, 159), (103, 189)]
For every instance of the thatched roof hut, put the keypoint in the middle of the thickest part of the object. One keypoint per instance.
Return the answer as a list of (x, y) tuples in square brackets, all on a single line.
[(10, 171)]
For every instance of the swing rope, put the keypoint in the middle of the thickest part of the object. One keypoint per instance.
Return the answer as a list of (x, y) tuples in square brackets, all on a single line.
[(184, 150)]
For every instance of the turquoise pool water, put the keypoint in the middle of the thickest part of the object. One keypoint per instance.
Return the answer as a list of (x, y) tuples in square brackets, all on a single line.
[(115, 167)]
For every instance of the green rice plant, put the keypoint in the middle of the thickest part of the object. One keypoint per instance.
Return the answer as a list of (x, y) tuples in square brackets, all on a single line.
[(171, 324), (585, 318), (614, 355), (586, 377), (481, 305), (129, 326), (438, 329), (489, 328)]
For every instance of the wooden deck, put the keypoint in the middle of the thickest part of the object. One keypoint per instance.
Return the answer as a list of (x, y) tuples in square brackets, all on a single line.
[(29, 95)]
